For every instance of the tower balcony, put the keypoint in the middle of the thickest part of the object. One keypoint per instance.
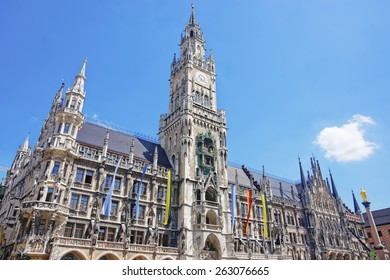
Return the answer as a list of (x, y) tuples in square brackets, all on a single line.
[(75, 114), (50, 207)]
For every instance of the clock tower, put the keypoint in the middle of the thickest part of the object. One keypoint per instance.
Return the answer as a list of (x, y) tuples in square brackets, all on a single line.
[(193, 136)]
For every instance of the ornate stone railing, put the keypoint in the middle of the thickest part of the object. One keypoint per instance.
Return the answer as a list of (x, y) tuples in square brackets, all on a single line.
[(167, 250), (48, 206), (212, 227), (141, 248), (110, 245), (73, 242), (212, 204)]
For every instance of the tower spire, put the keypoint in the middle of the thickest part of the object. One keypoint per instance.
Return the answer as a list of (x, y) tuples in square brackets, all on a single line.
[(80, 78), (24, 147), (192, 17), (303, 179), (334, 190), (356, 205)]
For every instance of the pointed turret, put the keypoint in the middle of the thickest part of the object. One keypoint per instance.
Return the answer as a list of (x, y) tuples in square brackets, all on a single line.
[(155, 159), (356, 205), (327, 183), (105, 146), (303, 179), (24, 147), (319, 170), (58, 98), (131, 153), (80, 78), (192, 17), (334, 190)]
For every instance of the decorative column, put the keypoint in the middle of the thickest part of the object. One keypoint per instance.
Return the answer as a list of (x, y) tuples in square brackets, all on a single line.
[(379, 249)]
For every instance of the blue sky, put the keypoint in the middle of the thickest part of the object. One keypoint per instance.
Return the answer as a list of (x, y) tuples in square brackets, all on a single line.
[(296, 78)]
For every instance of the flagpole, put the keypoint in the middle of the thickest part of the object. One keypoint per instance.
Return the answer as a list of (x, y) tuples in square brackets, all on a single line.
[(139, 192), (106, 209)]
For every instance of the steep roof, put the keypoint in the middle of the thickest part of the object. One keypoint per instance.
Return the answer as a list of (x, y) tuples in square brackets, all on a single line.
[(274, 181), (381, 217), (93, 135)]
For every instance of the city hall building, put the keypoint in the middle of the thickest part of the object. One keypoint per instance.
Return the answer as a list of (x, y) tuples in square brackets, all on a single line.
[(205, 209)]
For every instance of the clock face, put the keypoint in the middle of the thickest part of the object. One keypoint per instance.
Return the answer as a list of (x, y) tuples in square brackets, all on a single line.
[(201, 78)]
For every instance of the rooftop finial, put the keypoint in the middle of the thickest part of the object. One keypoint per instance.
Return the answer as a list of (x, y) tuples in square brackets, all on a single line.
[(24, 147), (82, 71), (192, 18)]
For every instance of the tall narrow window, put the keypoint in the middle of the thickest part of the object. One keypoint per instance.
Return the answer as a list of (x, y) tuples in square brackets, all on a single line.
[(56, 167), (141, 212), (73, 104), (68, 230), (110, 234), (74, 201), (79, 175), (114, 208), (88, 176), (109, 179), (117, 183), (206, 101), (102, 233), (59, 128), (84, 203), (78, 233), (66, 128), (49, 194)]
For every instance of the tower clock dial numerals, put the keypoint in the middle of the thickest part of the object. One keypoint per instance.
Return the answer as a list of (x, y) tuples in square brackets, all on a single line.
[(201, 78)]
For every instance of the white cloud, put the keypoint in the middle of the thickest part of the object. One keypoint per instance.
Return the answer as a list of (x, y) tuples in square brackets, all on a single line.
[(94, 116), (346, 143)]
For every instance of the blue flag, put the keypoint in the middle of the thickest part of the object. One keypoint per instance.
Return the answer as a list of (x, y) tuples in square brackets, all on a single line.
[(106, 209), (233, 204), (139, 191)]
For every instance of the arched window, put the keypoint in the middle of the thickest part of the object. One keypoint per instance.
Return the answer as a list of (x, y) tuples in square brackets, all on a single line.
[(206, 101), (173, 159), (191, 33), (197, 97), (211, 218), (211, 195)]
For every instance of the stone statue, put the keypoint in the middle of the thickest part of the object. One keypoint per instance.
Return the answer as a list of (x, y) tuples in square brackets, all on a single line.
[(363, 193)]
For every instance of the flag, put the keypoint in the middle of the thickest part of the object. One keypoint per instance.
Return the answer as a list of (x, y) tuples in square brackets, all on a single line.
[(233, 203), (249, 199), (168, 200), (106, 209), (264, 203), (139, 187)]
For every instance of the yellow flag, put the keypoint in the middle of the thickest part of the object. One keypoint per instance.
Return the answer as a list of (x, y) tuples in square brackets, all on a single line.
[(168, 199), (264, 216)]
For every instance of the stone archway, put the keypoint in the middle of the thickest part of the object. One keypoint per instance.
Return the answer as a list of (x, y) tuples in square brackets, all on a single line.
[(347, 257), (211, 218), (73, 255), (139, 258), (211, 249), (108, 257)]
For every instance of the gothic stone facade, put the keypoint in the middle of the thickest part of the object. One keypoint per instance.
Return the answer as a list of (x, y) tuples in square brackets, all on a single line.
[(54, 191)]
